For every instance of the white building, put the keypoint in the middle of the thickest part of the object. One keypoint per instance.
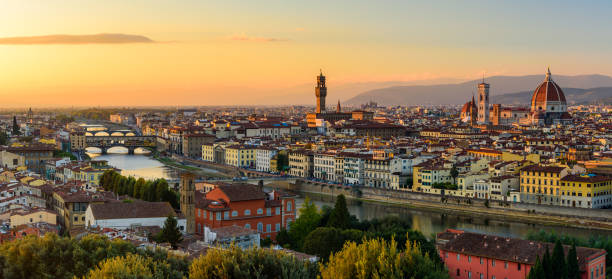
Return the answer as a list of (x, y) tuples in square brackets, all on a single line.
[(324, 166), (263, 156), (354, 170), (236, 235), (123, 215)]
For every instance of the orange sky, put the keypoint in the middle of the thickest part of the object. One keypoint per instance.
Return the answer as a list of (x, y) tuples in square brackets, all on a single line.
[(208, 53)]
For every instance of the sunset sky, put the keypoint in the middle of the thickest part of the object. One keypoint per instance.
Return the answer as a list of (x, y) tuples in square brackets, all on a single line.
[(198, 52)]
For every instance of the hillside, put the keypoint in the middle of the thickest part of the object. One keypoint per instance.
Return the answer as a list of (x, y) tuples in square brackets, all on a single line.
[(572, 95), (595, 88)]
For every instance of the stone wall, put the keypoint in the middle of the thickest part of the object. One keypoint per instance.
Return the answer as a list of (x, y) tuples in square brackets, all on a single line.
[(406, 197)]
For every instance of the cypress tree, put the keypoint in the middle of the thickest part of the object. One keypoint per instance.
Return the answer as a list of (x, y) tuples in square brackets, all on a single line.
[(16, 130), (340, 216), (573, 270), (537, 271), (559, 266), (170, 232), (547, 265)]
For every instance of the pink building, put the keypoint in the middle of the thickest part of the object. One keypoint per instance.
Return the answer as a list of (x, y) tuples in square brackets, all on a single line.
[(480, 256)]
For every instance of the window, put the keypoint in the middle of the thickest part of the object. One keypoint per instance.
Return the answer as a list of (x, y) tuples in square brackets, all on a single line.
[(268, 227), (289, 205), (225, 215), (481, 260), (277, 211), (259, 227), (481, 276), (458, 257), (493, 277), (469, 274), (218, 215), (234, 213), (506, 265), (248, 226), (268, 211), (277, 227), (259, 211), (247, 212), (518, 266), (469, 259), (458, 272), (493, 262)]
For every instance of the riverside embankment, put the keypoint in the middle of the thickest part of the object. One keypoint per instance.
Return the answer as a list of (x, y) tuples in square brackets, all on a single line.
[(532, 214)]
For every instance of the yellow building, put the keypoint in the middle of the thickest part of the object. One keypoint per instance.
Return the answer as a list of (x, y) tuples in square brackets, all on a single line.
[(542, 184), (36, 215), (242, 156), (587, 191), (71, 205), (534, 158), (90, 175)]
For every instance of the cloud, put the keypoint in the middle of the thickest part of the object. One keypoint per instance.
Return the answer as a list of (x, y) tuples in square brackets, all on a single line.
[(244, 37), (76, 39)]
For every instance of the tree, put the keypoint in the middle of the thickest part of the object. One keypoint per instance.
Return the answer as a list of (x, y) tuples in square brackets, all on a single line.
[(557, 260), (340, 216), (454, 173), (138, 188), (16, 130), (250, 263), (378, 258), (307, 221), (161, 187), (283, 239), (573, 269), (537, 271), (3, 138), (323, 241), (52, 256), (547, 263), (170, 232), (128, 266)]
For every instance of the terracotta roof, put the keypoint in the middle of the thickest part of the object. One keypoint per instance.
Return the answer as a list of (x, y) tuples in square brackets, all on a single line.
[(504, 248), (591, 179), (547, 91), (242, 192), (232, 231), (538, 168), (121, 210)]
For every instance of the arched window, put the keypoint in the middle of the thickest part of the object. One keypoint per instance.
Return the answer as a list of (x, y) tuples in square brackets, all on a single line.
[(234, 213), (289, 206), (247, 212), (259, 211), (248, 226)]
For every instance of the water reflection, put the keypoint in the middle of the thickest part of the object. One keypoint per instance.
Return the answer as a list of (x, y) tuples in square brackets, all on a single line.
[(138, 166), (431, 222)]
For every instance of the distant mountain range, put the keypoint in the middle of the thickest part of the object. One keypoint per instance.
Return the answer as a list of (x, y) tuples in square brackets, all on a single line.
[(504, 89), (572, 95)]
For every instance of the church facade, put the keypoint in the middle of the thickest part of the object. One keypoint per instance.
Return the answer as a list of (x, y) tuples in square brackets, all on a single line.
[(548, 107)]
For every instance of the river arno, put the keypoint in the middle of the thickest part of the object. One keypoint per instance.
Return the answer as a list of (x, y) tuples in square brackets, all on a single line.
[(138, 166), (426, 221)]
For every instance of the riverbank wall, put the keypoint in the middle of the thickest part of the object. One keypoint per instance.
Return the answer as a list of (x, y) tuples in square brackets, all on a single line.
[(576, 217)]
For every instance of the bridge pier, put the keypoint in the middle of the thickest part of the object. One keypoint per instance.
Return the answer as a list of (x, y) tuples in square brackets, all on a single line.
[(131, 150), (103, 150)]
